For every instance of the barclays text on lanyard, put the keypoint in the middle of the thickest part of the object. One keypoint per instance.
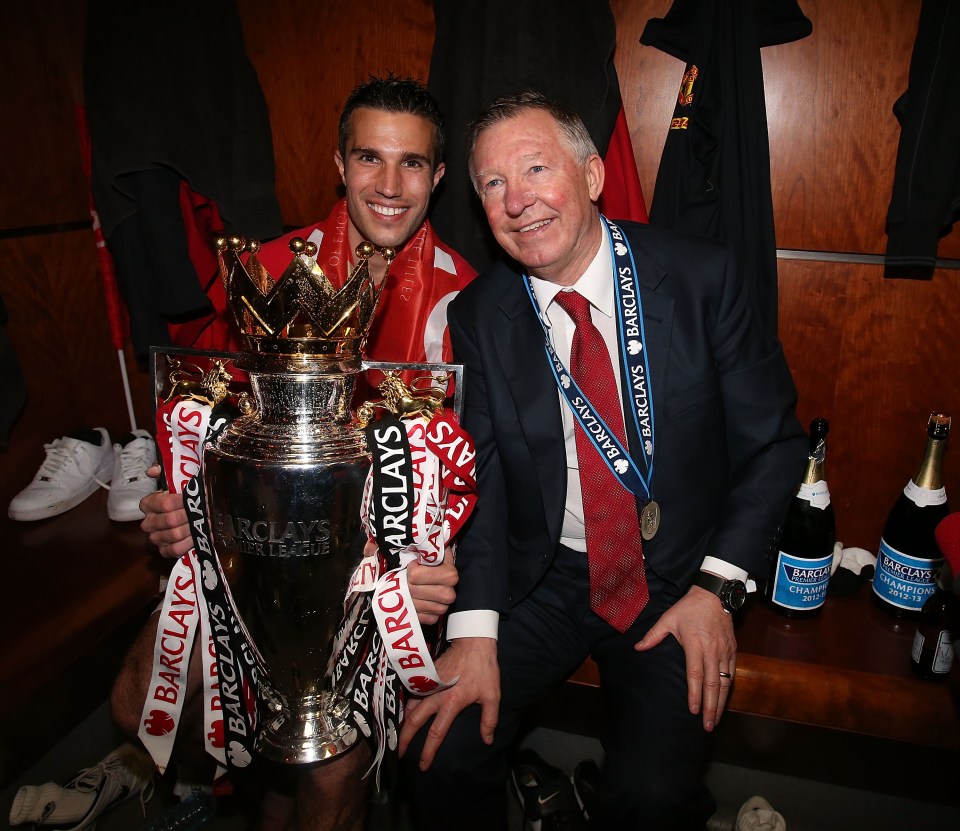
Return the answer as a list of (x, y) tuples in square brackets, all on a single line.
[(632, 343)]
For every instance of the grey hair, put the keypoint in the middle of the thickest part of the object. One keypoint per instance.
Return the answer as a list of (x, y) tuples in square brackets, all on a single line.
[(573, 129)]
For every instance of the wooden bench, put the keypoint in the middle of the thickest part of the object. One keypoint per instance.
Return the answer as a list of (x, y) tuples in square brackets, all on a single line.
[(77, 588), (847, 669)]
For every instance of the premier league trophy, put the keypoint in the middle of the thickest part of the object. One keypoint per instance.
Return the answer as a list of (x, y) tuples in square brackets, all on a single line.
[(284, 483)]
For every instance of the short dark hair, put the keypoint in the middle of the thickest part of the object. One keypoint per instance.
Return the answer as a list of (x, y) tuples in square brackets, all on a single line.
[(394, 95), (509, 106)]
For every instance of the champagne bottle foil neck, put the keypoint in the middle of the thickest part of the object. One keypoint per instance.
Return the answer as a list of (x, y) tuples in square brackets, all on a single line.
[(938, 427), (930, 474)]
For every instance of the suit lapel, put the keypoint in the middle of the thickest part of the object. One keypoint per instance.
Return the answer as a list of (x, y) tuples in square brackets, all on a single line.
[(658, 308), (526, 368), (658, 311)]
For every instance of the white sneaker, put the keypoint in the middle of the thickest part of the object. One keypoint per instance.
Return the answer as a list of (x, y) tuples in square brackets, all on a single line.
[(133, 454), (68, 475), (76, 805), (757, 814)]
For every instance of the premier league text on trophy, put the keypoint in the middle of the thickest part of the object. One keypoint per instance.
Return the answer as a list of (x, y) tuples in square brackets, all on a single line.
[(263, 538)]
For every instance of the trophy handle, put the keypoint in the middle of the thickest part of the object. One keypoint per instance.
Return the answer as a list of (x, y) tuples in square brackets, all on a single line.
[(161, 363), (165, 360), (450, 370)]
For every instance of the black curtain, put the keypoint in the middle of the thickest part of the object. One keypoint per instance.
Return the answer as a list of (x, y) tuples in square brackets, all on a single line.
[(484, 49)]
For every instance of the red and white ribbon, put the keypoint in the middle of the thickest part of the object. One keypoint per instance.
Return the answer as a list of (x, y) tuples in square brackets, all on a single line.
[(182, 427), (442, 460), (176, 629)]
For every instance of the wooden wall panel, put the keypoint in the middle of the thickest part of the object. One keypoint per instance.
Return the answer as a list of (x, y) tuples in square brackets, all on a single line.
[(875, 357), (41, 49), (649, 81), (309, 56), (833, 136), (54, 297)]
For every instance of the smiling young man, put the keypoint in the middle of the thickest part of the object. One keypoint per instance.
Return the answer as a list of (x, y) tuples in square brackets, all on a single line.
[(390, 160), (581, 547)]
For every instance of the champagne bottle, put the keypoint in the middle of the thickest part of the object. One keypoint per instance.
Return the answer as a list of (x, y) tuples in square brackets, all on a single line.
[(932, 653), (909, 559), (800, 570)]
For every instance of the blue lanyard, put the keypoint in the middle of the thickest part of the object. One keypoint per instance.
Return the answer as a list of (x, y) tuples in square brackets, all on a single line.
[(632, 342)]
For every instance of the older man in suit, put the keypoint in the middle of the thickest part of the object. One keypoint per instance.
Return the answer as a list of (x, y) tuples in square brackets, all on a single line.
[(616, 379)]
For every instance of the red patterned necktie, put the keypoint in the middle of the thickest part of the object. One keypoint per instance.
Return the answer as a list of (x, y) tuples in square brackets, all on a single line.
[(618, 584)]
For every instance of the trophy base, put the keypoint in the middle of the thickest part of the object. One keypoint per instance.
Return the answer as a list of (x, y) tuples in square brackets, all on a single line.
[(309, 735)]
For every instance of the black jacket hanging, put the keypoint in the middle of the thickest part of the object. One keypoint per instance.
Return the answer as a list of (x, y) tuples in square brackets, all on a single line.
[(714, 175), (484, 49), (926, 184), (170, 95)]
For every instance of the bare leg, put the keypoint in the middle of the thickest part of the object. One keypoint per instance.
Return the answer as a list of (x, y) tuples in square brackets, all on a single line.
[(330, 797), (333, 797), (276, 812), (130, 692)]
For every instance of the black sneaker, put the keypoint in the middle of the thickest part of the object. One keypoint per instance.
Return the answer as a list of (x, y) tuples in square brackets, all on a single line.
[(586, 778), (546, 795)]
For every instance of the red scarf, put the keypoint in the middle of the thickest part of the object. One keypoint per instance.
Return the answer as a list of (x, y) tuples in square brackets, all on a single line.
[(414, 287)]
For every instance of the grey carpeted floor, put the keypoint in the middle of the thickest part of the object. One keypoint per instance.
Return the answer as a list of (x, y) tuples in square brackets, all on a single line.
[(806, 804)]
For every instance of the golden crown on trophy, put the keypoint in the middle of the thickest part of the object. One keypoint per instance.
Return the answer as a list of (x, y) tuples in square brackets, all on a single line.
[(301, 311)]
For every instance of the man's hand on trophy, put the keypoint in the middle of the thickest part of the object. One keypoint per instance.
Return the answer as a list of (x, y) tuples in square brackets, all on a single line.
[(165, 521), (432, 588)]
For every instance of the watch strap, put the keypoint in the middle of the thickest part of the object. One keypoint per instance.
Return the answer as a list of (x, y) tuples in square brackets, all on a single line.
[(713, 583)]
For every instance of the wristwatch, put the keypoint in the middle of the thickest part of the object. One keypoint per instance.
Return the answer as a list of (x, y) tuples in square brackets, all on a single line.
[(732, 593)]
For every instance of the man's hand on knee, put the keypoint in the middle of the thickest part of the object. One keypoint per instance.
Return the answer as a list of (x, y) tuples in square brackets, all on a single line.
[(705, 631), (475, 661)]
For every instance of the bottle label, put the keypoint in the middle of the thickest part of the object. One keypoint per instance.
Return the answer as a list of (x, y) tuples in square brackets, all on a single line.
[(904, 581), (817, 494), (800, 584), (922, 497), (918, 642), (942, 656)]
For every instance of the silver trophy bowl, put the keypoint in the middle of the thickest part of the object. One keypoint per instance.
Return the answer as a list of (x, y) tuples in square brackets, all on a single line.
[(284, 486)]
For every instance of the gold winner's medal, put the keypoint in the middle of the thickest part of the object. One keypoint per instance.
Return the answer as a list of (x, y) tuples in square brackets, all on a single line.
[(649, 520)]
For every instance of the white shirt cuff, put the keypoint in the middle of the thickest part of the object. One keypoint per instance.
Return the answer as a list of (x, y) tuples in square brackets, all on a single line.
[(478, 623), (728, 571)]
